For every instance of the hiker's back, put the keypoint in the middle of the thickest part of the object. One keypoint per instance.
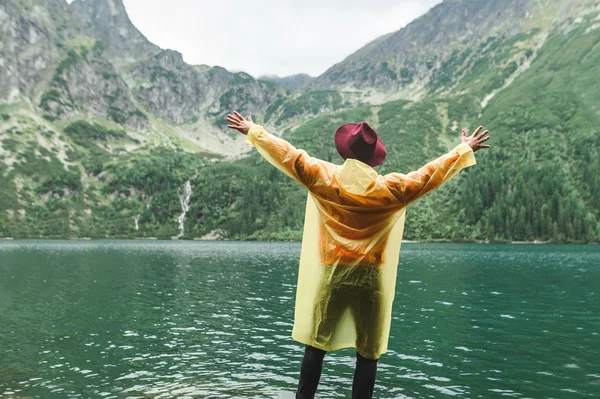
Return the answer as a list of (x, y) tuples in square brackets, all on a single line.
[(356, 211)]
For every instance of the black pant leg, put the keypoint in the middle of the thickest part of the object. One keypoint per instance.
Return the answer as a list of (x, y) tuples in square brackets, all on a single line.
[(364, 377), (366, 308), (310, 372)]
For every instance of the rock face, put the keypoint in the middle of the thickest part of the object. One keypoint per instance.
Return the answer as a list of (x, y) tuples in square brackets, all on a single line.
[(29, 32), (161, 81), (123, 41), (87, 85), (179, 92)]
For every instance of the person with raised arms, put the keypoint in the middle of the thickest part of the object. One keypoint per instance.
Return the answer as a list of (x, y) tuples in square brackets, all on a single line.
[(353, 229)]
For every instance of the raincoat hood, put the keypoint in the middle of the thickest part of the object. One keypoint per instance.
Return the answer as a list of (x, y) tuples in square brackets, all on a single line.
[(356, 177)]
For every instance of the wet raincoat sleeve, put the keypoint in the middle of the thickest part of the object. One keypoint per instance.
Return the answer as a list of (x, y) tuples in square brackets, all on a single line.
[(294, 162), (409, 187)]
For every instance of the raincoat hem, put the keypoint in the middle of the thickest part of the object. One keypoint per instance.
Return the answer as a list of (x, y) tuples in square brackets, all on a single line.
[(337, 346)]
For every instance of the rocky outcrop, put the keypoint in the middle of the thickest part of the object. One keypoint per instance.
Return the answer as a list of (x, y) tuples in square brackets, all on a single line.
[(179, 92), (123, 41), (161, 80), (30, 33), (87, 85)]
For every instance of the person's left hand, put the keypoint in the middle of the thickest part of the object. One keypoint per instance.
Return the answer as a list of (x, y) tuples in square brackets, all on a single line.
[(476, 140), (239, 123)]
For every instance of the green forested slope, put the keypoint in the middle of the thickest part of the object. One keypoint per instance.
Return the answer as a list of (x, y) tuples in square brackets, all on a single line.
[(539, 97), (540, 181)]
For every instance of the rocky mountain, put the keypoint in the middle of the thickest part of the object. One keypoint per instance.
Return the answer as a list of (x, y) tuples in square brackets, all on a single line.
[(87, 60), (439, 53), (103, 134)]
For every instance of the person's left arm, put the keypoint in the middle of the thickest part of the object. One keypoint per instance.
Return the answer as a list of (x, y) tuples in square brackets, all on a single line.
[(294, 162), (409, 187)]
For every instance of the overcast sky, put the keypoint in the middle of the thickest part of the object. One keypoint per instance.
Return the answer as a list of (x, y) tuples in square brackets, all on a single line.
[(275, 37)]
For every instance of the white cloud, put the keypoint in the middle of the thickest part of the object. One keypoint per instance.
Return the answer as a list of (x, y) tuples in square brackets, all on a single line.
[(281, 37)]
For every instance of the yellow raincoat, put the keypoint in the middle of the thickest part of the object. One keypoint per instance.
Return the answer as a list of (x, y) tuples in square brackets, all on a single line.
[(351, 243)]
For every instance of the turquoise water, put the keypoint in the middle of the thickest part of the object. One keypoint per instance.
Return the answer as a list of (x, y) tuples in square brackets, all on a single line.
[(144, 319)]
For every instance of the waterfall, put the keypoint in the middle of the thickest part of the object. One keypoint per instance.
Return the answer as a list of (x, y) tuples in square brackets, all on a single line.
[(137, 219), (184, 200)]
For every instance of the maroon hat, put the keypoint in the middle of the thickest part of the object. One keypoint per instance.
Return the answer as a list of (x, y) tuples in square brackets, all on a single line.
[(360, 141)]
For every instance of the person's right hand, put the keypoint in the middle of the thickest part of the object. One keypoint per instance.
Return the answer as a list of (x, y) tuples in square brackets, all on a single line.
[(476, 140)]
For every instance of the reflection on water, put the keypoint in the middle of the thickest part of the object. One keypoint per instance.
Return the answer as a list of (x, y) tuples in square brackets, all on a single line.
[(137, 319)]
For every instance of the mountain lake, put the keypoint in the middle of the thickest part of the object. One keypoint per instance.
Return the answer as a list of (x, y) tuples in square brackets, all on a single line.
[(203, 319)]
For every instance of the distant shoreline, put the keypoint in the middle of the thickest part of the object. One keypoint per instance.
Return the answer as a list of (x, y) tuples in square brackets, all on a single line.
[(200, 239)]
